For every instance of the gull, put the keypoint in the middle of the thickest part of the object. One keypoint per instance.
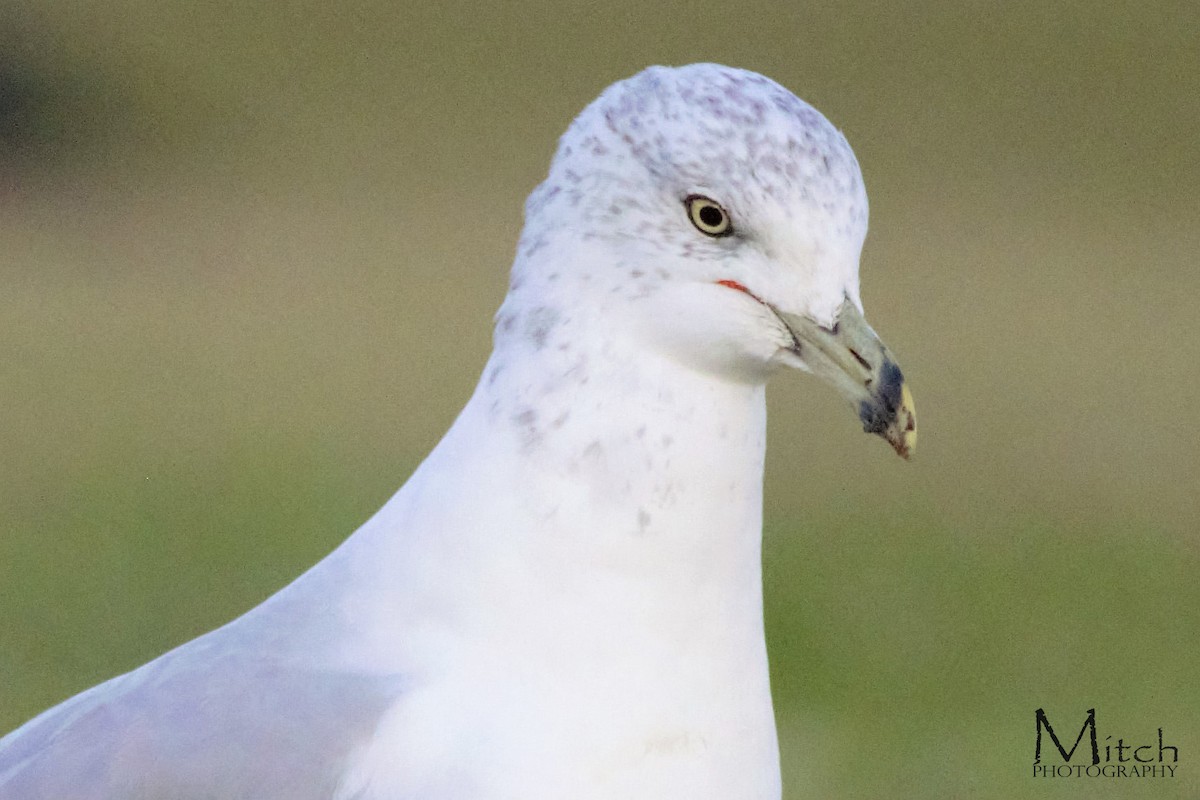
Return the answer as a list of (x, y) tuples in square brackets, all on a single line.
[(565, 598)]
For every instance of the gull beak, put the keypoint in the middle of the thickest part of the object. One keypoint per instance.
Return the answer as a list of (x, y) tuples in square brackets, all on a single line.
[(850, 356)]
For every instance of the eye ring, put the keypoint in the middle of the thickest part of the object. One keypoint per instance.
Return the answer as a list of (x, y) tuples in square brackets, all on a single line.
[(709, 217)]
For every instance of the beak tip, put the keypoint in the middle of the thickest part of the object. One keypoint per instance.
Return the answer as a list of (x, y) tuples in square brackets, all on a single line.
[(905, 426), (851, 357), (897, 424), (906, 444)]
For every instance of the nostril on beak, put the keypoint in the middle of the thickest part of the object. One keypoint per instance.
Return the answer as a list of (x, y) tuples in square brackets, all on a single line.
[(866, 365)]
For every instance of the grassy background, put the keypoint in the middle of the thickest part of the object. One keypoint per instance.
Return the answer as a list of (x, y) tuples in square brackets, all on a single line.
[(248, 259)]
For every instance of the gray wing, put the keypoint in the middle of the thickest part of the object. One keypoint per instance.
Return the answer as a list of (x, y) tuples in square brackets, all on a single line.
[(203, 721)]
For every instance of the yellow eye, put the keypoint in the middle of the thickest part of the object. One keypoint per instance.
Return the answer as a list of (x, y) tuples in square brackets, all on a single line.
[(708, 216)]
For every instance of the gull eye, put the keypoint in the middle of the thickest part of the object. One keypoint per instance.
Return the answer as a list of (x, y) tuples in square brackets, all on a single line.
[(708, 216)]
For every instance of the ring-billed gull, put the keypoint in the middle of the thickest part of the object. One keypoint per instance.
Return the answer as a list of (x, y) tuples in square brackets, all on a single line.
[(564, 600)]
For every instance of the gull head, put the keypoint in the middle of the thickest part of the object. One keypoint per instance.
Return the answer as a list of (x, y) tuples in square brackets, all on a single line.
[(714, 216)]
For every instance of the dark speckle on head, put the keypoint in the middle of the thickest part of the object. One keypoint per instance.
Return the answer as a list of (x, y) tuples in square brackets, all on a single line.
[(539, 324), (527, 430)]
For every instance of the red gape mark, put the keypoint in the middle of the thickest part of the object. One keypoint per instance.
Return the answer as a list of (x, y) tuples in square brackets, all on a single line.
[(735, 285)]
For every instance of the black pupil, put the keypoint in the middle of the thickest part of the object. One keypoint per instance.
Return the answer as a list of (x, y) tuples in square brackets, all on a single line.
[(711, 216)]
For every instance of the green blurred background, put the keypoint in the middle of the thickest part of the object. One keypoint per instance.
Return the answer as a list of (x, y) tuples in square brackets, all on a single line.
[(249, 254)]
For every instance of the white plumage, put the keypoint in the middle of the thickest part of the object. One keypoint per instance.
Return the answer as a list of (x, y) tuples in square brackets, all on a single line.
[(564, 600)]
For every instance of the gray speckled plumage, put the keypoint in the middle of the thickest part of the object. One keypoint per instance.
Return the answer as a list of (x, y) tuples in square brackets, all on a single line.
[(564, 600), (668, 132)]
